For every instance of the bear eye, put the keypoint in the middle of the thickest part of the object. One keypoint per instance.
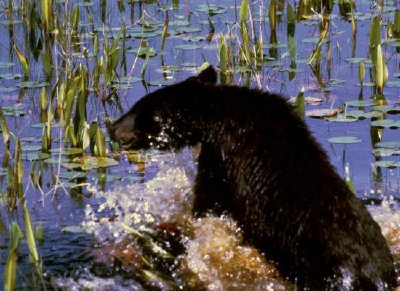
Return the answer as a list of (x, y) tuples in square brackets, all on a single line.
[(157, 118)]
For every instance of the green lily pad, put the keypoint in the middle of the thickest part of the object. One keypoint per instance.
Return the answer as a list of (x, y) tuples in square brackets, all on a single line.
[(321, 113), (387, 164), (359, 114), (55, 160), (107, 177), (14, 110), (7, 89), (386, 123), (89, 163), (160, 83), (187, 29), (341, 118), (6, 65), (210, 8), (391, 109), (188, 47), (393, 84), (143, 51), (9, 76), (74, 229), (34, 156), (31, 148), (344, 139), (355, 60), (385, 152), (32, 84), (72, 175), (67, 151), (389, 144), (360, 103)]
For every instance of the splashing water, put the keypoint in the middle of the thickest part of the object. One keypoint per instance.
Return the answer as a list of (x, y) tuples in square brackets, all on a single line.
[(213, 256)]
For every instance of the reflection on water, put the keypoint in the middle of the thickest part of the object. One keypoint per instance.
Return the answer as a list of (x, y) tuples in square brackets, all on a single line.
[(213, 255)]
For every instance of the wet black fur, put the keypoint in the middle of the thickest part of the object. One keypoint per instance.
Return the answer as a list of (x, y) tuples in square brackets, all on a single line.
[(259, 163)]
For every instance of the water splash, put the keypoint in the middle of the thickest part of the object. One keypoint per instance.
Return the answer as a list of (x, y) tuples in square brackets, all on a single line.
[(214, 256)]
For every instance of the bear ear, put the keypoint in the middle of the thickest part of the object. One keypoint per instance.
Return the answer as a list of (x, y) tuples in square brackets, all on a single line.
[(208, 75)]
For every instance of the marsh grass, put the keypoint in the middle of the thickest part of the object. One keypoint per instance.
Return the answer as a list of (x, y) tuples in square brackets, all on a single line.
[(83, 65)]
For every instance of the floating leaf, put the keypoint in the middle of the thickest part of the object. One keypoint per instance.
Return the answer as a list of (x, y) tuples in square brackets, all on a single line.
[(211, 9), (72, 175), (385, 152), (386, 123), (391, 109), (359, 114), (342, 118), (361, 103), (344, 139), (322, 113), (88, 163), (387, 164), (32, 84), (389, 144), (188, 47), (161, 82), (356, 60), (74, 229)]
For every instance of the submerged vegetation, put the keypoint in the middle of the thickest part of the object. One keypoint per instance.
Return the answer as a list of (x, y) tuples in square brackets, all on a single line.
[(68, 68)]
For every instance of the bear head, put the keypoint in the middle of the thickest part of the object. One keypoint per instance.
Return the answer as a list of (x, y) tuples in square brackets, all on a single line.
[(162, 119)]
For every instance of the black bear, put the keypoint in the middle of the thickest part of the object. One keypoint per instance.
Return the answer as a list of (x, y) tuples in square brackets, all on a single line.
[(259, 163)]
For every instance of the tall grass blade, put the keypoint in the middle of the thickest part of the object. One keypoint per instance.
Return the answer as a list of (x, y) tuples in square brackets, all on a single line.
[(46, 6), (4, 128), (244, 11), (381, 69), (374, 37), (22, 60), (10, 270), (30, 235)]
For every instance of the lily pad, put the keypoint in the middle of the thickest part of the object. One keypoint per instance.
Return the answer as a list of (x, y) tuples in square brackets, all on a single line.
[(389, 144), (187, 29), (386, 123), (34, 156), (344, 139), (160, 83), (391, 109), (88, 163), (360, 103), (143, 51), (32, 84), (68, 151), (7, 89), (210, 8), (385, 152), (387, 164), (72, 175), (322, 113), (341, 118), (6, 65), (188, 47), (359, 114), (355, 60)]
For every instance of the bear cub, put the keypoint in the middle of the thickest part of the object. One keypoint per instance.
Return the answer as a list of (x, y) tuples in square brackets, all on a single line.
[(260, 164)]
